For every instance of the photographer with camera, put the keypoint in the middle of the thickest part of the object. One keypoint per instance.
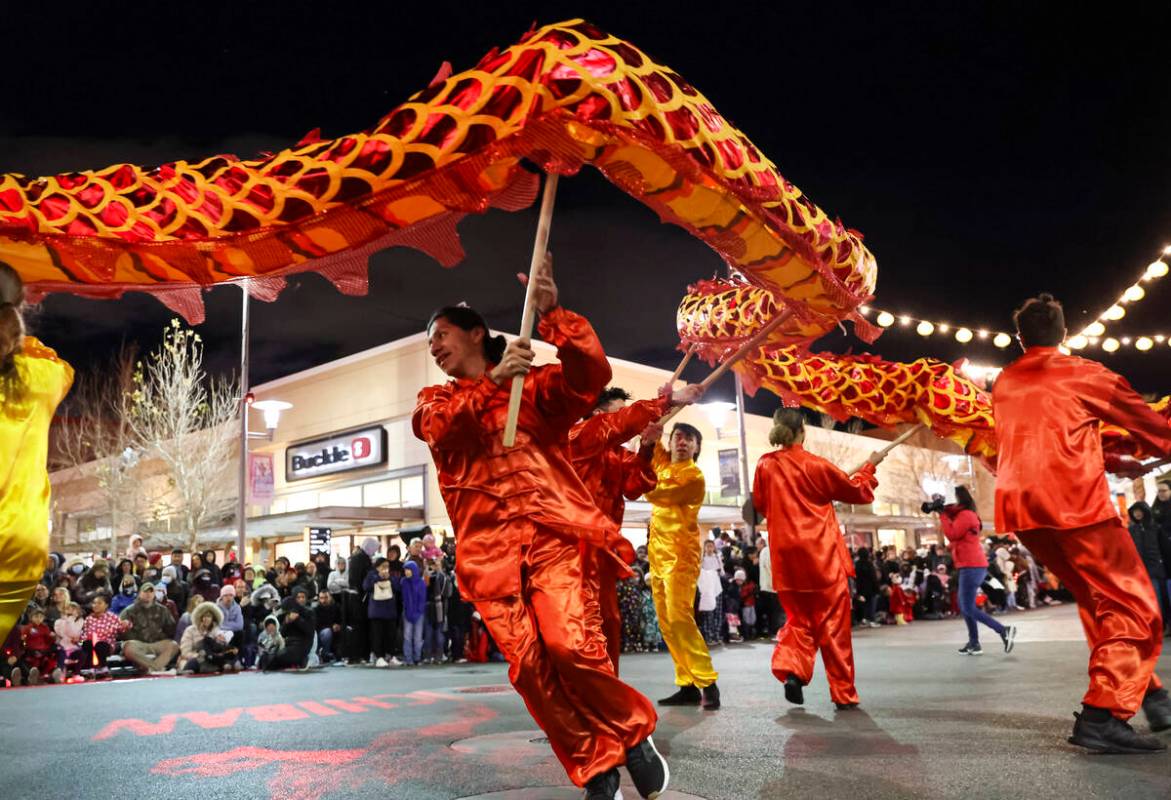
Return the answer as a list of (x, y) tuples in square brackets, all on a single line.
[(962, 527)]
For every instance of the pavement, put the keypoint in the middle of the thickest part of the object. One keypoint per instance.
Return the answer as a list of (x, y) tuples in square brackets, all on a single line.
[(933, 724)]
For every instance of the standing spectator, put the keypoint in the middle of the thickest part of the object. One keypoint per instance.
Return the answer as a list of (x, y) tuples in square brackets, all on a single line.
[(152, 627), (209, 564), (338, 580), (1008, 569), (460, 622), (40, 648), (962, 528), (232, 616), (630, 606), (768, 610), (415, 554), (382, 611), (69, 629), (641, 559), (177, 563), (747, 603), (435, 620), (395, 557), (1145, 533), (866, 583), (327, 617), (203, 585), (1161, 512), (99, 634), (414, 593), (652, 637), (710, 589), (127, 591), (361, 563)]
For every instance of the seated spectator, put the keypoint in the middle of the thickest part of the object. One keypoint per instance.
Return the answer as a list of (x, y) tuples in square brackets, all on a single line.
[(180, 569), (125, 567), (327, 617), (252, 579), (99, 634), (206, 647), (69, 628), (177, 590), (270, 641), (298, 631), (12, 667), (61, 600), (150, 645), (40, 648), (185, 618), (232, 615), (203, 585), (96, 579), (41, 598), (127, 591), (162, 599)]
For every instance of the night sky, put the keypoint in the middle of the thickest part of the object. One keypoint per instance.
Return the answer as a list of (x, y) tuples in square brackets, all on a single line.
[(986, 151)]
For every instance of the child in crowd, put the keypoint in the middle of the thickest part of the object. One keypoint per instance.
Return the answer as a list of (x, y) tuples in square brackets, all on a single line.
[(747, 601), (414, 592), (127, 591), (69, 629), (899, 604), (710, 591), (40, 648), (732, 604), (12, 666), (270, 641), (652, 637), (99, 634)]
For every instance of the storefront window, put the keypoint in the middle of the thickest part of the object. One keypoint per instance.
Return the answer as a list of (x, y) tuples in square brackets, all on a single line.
[(412, 491), (895, 536), (295, 551), (381, 493), (301, 501), (350, 496)]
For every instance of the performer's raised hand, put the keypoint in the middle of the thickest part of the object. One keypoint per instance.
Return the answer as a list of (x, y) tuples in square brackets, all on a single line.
[(517, 360), (544, 290), (687, 395), (652, 434), (876, 457)]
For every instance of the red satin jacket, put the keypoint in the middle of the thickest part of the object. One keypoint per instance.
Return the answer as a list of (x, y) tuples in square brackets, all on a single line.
[(611, 473), (1047, 408), (496, 497), (795, 490)]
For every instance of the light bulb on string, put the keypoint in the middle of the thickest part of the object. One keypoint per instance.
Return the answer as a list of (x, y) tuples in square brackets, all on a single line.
[(863, 310), (904, 320), (1134, 294), (1002, 340), (1159, 338), (1125, 340), (983, 334), (886, 319), (1144, 343), (963, 336), (943, 327), (1156, 269), (1094, 329), (1115, 313), (925, 328), (1110, 345), (1077, 342)]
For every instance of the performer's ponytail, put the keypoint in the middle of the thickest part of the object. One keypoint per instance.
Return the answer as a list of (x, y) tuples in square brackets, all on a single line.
[(788, 425), (11, 331)]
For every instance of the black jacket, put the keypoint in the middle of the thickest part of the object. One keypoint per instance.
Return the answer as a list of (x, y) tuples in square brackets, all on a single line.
[(326, 616), (1146, 540), (1161, 511), (358, 566), (299, 632)]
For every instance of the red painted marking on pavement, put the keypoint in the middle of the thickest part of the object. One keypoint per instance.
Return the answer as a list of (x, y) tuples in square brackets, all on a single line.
[(224, 719), (138, 727), (279, 712), (318, 709)]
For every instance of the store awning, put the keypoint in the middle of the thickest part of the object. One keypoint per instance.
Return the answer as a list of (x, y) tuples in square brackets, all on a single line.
[(293, 523)]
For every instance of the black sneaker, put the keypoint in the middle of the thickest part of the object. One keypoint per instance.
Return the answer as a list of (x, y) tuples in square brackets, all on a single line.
[(648, 769), (711, 697), (604, 786), (1112, 736), (1157, 707), (793, 691), (971, 650), (845, 706), (1008, 637), (686, 696)]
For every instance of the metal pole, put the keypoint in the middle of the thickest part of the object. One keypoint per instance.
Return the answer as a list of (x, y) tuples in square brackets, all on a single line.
[(744, 473), (242, 487)]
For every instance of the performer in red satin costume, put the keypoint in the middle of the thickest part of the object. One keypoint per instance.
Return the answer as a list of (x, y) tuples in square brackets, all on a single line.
[(520, 515), (1051, 491), (795, 491), (612, 475)]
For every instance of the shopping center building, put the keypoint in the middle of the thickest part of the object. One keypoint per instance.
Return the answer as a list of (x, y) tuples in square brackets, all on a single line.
[(345, 466)]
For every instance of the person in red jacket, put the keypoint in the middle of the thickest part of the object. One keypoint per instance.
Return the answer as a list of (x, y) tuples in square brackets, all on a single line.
[(612, 475), (962, 528), (1051, 490), (520, 515), (795, 491), (40, 647)]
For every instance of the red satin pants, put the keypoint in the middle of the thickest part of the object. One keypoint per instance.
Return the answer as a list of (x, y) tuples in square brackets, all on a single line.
[(1101, 568), (600, 587), (817, 620), (559, 664)]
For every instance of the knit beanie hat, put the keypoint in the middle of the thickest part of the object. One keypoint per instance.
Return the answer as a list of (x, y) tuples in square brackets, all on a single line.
[(227, 590)]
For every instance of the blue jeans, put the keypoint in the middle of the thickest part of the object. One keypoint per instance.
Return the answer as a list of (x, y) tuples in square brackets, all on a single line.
[(970, 580), (325, 644), (412, 641), (434, 639)]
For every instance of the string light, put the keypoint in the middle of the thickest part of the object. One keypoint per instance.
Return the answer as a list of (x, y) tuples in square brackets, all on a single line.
[(925, 328), (1002, 340), (904, 320), (1157, 269), (1094, 329), (943, 327), (963, 336), (1144, 343), (1134, 294), (1110, 345), (886, 319), (983, 334), (1115, 313), (1126, 340), (1077, 342)]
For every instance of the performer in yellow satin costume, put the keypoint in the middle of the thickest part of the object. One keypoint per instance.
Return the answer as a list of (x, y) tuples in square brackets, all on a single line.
[(674, 550), (33, 381)]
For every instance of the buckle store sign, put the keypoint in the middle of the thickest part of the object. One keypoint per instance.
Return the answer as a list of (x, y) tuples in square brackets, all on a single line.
[(340, 452)]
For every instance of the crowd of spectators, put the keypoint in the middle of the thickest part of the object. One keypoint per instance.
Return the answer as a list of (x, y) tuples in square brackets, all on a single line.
[(184, 613)]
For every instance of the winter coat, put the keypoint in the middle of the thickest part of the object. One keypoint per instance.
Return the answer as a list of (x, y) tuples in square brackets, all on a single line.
[(1161, 511), (358, 568), (337, 582), (233, 618), (438, 596), (89, 586), (122, 601), (149, 623), (709, 584), (69, 632), (266, 597), (385, 608), (414, 593), (298, 632), (204, 585), (1146, 540), (326, 616), (217, 576), (271, 643), (191, 644), (961, 526), (37, 638)]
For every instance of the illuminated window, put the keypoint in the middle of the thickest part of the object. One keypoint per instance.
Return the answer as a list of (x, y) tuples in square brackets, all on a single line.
[(412, 491), (349, 496), (301, 501), (382, 493)]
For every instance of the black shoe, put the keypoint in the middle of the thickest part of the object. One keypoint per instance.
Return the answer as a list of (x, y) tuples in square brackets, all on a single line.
[(793, 691), (1157, 707), (604, 786), (1008, 637), (1111, 735), (845, 706), (686, 696), (647, 769), (971, 650), (711, 697)]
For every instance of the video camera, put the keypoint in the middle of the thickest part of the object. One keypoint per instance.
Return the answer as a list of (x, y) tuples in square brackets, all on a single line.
[(933, 507)]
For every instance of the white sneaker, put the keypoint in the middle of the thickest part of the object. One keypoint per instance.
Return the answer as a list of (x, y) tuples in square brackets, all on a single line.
[(394, 662), (381, 663)]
